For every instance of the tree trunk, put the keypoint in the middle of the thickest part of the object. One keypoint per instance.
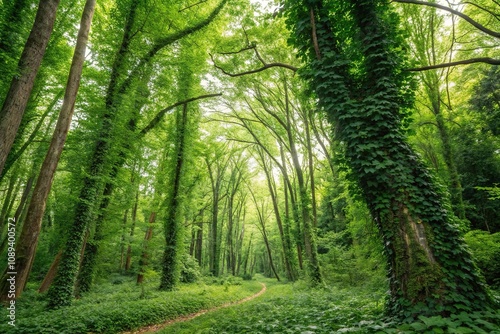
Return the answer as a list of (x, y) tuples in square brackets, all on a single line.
[(22, 202), (51, 274), (173, 233), (144, 261), (213, 242), (7, 200), (199, 244), (22, 84), (26, 246), (430, 269), (128, 260), (288, 258), (122, 243), (305, 205)]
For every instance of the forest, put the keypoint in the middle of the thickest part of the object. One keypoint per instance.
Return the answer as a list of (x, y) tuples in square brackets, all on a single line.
[(250, 166)]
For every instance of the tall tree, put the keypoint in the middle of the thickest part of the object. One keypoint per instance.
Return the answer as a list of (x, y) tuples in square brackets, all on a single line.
[(358, 75), (22, 84), (28, 239)]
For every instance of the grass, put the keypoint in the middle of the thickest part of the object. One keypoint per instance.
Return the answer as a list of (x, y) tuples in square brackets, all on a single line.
[(115, 308), (287, 308), (297, 309), (283, 308)]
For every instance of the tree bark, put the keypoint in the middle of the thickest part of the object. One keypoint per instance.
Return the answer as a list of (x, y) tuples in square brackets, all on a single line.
[(31, 229), (430, 270), (305, 204), (172, 225), (22, 84), (144, 261), (285, 238), (26, 246), (49, 277), (128, 260)]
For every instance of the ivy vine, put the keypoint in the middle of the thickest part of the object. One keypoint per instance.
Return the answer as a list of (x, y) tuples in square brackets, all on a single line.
[(355, 63)]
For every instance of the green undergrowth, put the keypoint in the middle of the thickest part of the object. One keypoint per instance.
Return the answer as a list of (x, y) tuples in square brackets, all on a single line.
[(112, 308), (297, 309)]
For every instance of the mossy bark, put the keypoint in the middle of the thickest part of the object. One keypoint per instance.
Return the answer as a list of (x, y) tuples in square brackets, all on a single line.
[(430, 269)]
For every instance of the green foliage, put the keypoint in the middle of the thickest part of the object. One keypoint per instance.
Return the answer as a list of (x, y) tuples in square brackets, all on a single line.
[(292, 308), (368, 98), (354, 256), (295, 308), (486, 250), (493, 192), (190, 270), (115, 308)]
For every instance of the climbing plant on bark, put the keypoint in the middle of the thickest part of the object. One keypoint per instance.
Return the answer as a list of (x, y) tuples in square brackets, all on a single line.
[(355, 63)]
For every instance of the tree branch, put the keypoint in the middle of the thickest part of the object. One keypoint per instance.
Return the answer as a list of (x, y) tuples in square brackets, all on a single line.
[(495, 15), (162, 112), (257, 54), (455, 12), (169, 40), (485, 60), (190, 6)]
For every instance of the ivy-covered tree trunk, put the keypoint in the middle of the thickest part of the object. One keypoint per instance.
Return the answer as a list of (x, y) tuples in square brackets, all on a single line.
[(61, 292), (358, 75), (173, 224)]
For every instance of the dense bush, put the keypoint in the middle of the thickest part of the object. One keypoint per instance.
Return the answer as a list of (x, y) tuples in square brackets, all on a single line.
[(190, 270), (486, 250)]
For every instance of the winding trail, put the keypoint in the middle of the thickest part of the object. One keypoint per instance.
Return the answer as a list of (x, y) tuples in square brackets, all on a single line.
[(157, 327)]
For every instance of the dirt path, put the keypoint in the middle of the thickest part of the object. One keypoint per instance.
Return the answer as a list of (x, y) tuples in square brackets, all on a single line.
[(157, 327)]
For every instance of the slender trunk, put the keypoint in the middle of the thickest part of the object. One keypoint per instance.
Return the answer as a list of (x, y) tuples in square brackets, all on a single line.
[(247, 256), (22, 84), (305, 204), (310, 165), (128, 261), (51, 274), (287, 251), (122, 242), (24, 198), (199, 244), (449, 159), (7, 200), (213, 243), (144, 261)]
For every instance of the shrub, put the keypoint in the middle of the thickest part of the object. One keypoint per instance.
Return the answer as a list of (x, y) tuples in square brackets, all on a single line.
[(190, 270), (486, 250)]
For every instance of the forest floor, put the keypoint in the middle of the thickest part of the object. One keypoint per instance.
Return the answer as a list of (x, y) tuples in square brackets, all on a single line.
[(289, 308), (296, 308), (155, 328), (120, 305), (230, 305)]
